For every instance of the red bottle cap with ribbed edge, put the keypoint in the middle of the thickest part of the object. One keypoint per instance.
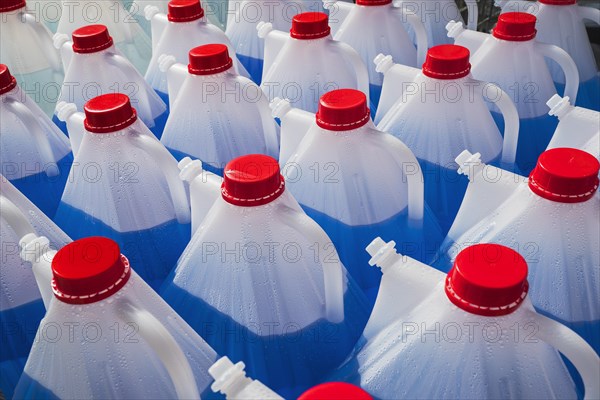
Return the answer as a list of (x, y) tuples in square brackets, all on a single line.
[(185, 10), (11, 5), (91, 38), (310, 25), (565, 175), (368, 3), (7, 81), (343, 110), (209, 59), (108, 113), (559, 2), (488, 279), (447, 61), (335, 391), (89, 270), (515, 27), (252, 180)]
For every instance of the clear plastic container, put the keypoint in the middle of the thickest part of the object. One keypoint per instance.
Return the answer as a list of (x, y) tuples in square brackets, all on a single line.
[(106, 333), (124, 185), (21, 307), (26, 47), (563, 23), (176, 32), (262, 282), (128, 36), (471, 334), (512, 59), (333, 164), (386, 34), (551, 219), (308, 63), (36, 156), (216, 114), (437, 112), (578, 127), (94, 67)]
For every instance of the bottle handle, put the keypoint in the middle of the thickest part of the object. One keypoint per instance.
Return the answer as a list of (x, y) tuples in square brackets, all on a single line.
[(45, 37), (511, 124), (13, 216), (575, 348), (590, 14), (568, 66), (64, 46), (295, 123), (176, 74), (472, 14), (158, 22), (274, 42), (165, 346), (40, 139), (67, 112), (36, 250), (420, 33), (360, 69), (338, 11), (162, 157)]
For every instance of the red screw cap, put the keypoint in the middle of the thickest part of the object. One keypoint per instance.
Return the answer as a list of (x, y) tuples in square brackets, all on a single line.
[(89, 270), (91, 39), (209, 59), (447, 61), (7, 81), (515, 27), (335, 391), (565, 175), (108, 113), (252, 180), (488, 279), (310, 25), (343, 110), (11, 5), (184, 10), (559, 2), (373, 2)]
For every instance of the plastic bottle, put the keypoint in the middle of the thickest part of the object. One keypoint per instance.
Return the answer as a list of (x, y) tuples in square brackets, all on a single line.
[(382, 21), (308, 63), (551, 219), (94, 66), (138, 9), (563, 23), (216, 115), (26, 47), (262, 282), (475, 334), (231, 380), (578, 127), (124, 185), (355, 181), (437, 112), (512, 58), (106, 334), (21, 307), (176, 32), (36, 156)]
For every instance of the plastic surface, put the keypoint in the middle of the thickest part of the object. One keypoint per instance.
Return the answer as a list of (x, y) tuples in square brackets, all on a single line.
[(91, 38), (209, 59), (184, 10), (108, 113), (231, 380), (515, 27), (447, 62), (335, 390), (310, 25), (252, 180), (343, 110)]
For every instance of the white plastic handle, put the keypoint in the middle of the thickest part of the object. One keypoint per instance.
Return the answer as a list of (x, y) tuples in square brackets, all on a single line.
[(567, 64), (231, 380), (511, 124), (176, 75), (420, 33), (338, 11), (158, 23), (13, 216), (577, 350), (274, 42), (45, 38), (590, 14), (360, 69), (67, 112), (168, 164), (167, 349), (472, 14), (36, 250), (40, 140), (62, 42), (295, 123)]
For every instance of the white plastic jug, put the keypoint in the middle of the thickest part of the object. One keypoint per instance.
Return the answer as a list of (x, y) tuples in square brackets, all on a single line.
[(94, 67), (262, 283), (128, 36), (21, 307), (243, 16), (437, 112), (562, 23), (578, 127), (435, 15), (178, 31), (26, 47), (355, 181), (512, 58), (231, 381), (551, 219), (308, 63), (216, 114), (473, 334), (373, 27), (36, 156), (124, 185), (106, 334), (138, 9)]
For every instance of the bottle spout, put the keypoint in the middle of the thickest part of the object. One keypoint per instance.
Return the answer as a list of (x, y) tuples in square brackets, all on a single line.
[(469, 164), (230, 380), (559, 106)]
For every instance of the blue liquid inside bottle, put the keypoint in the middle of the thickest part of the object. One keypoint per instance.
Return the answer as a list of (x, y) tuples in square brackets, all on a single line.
[(374, 95), (254, 66), (588, 95)]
